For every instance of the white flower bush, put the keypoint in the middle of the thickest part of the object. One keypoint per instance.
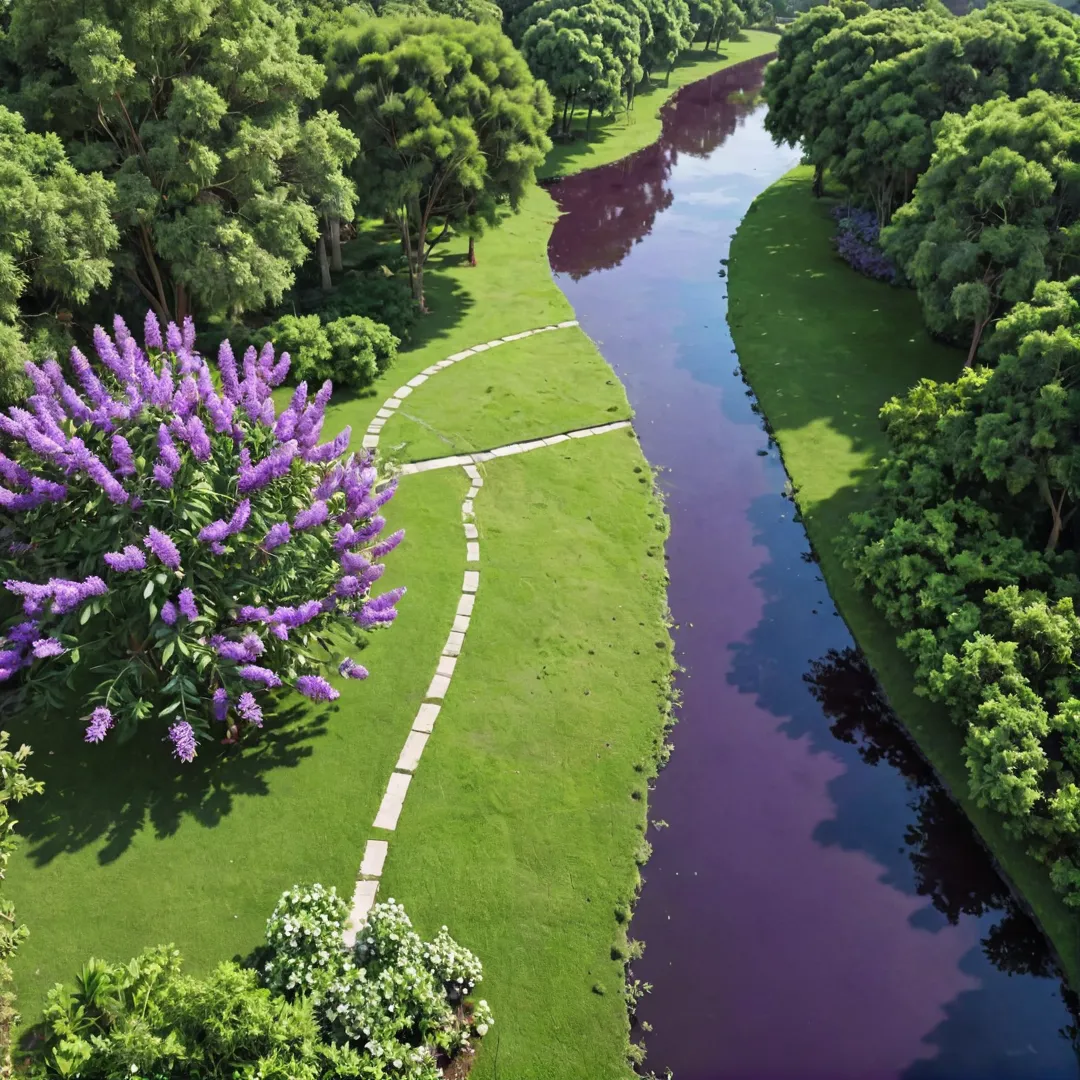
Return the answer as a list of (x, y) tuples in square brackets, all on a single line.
[(397, 1000)]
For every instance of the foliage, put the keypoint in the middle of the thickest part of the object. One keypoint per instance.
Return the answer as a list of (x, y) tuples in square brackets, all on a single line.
[(351, 351), (394, 1005), (218, 543), (994, 213), (56, 236), (199, 114), (857, 243), (469, 123)]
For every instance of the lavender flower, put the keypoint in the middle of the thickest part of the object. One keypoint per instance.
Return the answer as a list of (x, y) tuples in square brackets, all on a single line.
[(163, 547), (247, 613), (68, 595), (254, 646), (182, 736), (240, 517), (329, 451), (379, 611), (350, 669), (162, 475), (229, 650), (221, 704), (168, 613), (277, 535), (314, 515), (131, 558), (247, 707), (858, 244), (186, 603), (122, 456), (167, 452), (253, 673), (24, 633), (215, 532), (384, 547), (101, 720), (46, 647), (152, 331), (316, 688)]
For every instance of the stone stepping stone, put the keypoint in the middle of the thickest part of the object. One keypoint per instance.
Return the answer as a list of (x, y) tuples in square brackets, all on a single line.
[(454, 643), (446, 666), (402, 392), (460, 356), (411, 751), (439, 684), (392, 801), (472, 551), (391, 403), (466, 604), (384, 413), (472, 493), (554, 440), (426, 716), (471, 531), (369, 442), (472, 472), (461, 624), (567, 323), (467, 508), (417, 380), (506, 451), (471, 582), (374, 858)]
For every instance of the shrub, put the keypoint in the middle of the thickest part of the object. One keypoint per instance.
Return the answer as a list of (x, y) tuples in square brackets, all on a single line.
[(858, 245), (218, 542), (305, 340), (377, 295), (304, 937)]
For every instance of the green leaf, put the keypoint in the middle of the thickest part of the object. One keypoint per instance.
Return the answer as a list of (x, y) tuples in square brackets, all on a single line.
[(167, 652), (148, 590)]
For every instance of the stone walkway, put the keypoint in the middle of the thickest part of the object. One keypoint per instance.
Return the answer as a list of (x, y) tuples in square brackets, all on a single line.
[(371, 868)]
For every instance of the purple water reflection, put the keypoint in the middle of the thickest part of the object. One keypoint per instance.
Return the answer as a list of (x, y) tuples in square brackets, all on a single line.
[(816, 906)]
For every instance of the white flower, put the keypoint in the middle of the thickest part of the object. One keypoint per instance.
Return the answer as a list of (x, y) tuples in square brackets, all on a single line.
[(481, 1030)]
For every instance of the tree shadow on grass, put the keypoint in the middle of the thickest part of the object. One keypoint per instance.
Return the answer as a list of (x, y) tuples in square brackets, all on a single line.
[(106, 794)]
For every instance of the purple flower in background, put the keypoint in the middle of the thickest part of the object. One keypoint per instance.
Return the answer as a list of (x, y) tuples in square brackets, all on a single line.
[(186, 603), (182, 737), (240, 517), (162, 475), (152, 331), (353, 562), (163, 547), (100, 722), (380, 610), (329, 451), (858, 244), (24, 633), (131, 558), (384, 547), (247, 707), (252, 614), (122, 455), (215, 532), (277, 535), (348, 586), (168, 455), (46, 647), (314, 515), (221, 703), (168, 613), (229, 650), (350, 669), (316, 688), (254, 673), (253, 645), (68, 595)]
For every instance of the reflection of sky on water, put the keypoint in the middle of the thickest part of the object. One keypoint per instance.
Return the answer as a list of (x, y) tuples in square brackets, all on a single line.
[(800, 917)]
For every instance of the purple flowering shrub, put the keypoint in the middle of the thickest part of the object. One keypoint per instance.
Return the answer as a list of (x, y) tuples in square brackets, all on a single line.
[(178, 544), (858, 245)]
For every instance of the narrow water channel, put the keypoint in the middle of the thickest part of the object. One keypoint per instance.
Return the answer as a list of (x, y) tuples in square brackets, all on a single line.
[(816, 906)]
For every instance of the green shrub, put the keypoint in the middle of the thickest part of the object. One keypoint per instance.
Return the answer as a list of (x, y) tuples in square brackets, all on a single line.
[(350, 351), (377, 295)]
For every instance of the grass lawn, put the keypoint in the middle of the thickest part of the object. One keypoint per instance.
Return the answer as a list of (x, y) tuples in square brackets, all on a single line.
[(521, 827), (823, 349)]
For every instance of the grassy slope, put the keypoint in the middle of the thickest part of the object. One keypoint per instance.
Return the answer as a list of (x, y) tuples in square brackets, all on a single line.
[(528, 867), (823, 349)]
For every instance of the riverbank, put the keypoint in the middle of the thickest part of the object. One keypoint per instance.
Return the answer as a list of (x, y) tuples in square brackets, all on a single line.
[(823, 348), (524, 819)]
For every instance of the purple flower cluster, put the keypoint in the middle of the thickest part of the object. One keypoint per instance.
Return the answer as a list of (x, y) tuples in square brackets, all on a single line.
[(857, 243), (126, 433)]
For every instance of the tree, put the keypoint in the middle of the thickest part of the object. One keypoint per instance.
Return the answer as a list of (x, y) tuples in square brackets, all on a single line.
[(452, 123), (56, 236), (219, 547), (786, 77), (672, 30), (994, 213), (195, 112)]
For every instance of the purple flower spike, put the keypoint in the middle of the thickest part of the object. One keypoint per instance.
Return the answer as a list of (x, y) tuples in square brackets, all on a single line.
[(186, 603), (131, 558), (316, 688), (182, 736), (314, 515), (100, 722), (384, 547), (122, 456), (152, 331), (350, 669), (277, 535), (168, 613), (46, 647), (248, 708), (240, 517), (221, 703), (163, 547), (254, 673)]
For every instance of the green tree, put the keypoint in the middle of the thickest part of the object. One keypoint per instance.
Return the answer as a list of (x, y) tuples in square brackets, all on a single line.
[(672, 30), (56, 238), (994, 213), (452, 123), (194, 110)]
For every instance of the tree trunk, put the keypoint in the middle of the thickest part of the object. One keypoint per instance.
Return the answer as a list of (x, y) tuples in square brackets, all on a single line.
[(670, 69), (1058, 523), (819, 181), (324, 265), (975, 339), (472, 251), (565, 110), (588, 119), (335, 244), (183, 308)]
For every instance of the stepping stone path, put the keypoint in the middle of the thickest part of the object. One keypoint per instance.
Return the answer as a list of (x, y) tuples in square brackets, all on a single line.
[(423, 726)]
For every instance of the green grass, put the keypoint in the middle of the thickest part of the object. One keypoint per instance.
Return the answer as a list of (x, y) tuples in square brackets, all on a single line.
[(823, 349), (521, 824), (538, 386), (521, 827), (616, 137)]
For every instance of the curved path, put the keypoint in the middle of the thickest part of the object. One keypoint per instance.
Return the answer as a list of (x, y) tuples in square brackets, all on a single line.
[(367, 883)]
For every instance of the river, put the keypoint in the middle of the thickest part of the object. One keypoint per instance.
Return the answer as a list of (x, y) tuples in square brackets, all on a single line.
[(815, 906)]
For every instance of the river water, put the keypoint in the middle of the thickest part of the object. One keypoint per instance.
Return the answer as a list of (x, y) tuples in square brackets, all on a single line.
[(816, 906)]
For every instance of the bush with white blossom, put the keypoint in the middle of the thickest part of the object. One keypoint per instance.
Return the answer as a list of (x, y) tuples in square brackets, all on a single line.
[(304, 936)]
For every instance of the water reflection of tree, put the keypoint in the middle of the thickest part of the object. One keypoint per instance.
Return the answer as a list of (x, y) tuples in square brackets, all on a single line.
[(952, 870), (708, 113)]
